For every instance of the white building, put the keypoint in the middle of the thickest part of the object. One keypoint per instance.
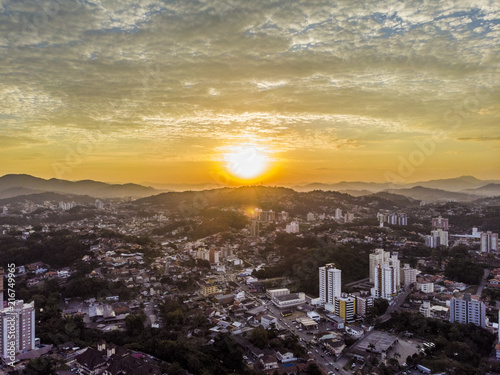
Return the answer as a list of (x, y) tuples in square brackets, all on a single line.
[(99, 204), (266, 321), (348, 217), (408, 275), (293, 227), (22, 318), (310, 216), (289, 300), (338, 214), (489, 242), (387, 279), (425, 309), (271, 293), (314, 316), (426, 287), (379, 257), (437, 238), (467, 310), (329, 284)]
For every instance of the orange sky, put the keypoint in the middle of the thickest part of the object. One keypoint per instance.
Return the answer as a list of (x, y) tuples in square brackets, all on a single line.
[(163, 93)]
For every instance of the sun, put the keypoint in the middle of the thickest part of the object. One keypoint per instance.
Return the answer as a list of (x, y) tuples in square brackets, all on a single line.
[(246, 161)]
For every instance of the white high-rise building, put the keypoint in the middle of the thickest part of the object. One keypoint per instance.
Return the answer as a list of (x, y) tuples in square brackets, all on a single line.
[(467, 311), (378, 257), (489, 242), (437, 237), (22, 318), (99, 204), (329, 284), (385, 282), (338, 214), (387, 278), (293, 227), (408, 275)]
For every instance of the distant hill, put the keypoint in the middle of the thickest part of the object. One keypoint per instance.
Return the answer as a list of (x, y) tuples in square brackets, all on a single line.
[(48, 197), (16, 191), (371, 187), (457, 184), (490, 190), (452, 184), (433, 195), (28, 184)]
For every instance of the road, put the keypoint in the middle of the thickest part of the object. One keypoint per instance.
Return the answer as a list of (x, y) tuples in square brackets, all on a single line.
[(482, 283), (322, 360), (325, 362), (395, 304)]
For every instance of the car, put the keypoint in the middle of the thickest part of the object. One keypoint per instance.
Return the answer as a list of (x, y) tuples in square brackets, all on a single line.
[(330, 372)]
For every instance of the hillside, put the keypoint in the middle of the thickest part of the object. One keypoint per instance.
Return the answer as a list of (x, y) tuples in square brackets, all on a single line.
[(24, 184)]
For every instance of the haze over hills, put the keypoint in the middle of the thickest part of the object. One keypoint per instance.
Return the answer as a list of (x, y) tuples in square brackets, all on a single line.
[(26, 184), (465, 188), (465, 184)]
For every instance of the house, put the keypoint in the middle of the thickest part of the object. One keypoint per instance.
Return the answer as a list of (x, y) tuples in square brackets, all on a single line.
[(269, 362), (284, 355)]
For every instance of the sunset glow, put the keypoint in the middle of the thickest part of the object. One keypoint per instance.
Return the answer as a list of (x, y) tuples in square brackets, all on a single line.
[(246, 162)]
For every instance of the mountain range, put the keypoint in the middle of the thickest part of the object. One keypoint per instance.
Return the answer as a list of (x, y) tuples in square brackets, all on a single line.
[(464, 188), (12, 185)]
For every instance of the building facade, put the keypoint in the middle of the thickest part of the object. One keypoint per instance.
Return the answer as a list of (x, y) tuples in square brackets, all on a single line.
[(329, 283), (468, 310), (22, 316)]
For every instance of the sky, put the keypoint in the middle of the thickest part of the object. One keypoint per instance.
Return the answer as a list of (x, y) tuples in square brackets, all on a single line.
[(163, 92)]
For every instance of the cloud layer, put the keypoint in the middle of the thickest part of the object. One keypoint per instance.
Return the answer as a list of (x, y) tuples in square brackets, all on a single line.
[(171, 81)]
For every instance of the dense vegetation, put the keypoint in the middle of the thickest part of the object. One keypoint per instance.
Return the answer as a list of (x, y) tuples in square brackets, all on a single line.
[(460, 348), (301, 264), (57, 249)]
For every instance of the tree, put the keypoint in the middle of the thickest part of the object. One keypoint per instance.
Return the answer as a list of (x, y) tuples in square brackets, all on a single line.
[(40, 366), (134, 324), (313, 369), (259, 337)]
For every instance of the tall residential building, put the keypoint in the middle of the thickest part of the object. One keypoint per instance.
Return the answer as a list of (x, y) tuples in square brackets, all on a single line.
[(387, 278), (99, 204), (345, 308), (440, 223), (310, 217), (22, 316), (408, 275), (348, 217), (402, 219), (329, 284), (363, 303), (254, 228), (489, 242), (267, 215), (467, 310), (392, 219), (214, 256), (338, 214), (293, 227), (378, 257), (437, 238)]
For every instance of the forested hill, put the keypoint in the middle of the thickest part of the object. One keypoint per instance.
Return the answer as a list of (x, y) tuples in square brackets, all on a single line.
[(271, 198)]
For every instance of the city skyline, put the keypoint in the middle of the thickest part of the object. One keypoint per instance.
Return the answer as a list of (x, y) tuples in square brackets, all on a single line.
[(276, 93)]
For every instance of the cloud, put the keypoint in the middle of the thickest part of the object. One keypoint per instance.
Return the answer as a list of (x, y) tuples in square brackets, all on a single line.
[(291, 74), (480, 139)]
